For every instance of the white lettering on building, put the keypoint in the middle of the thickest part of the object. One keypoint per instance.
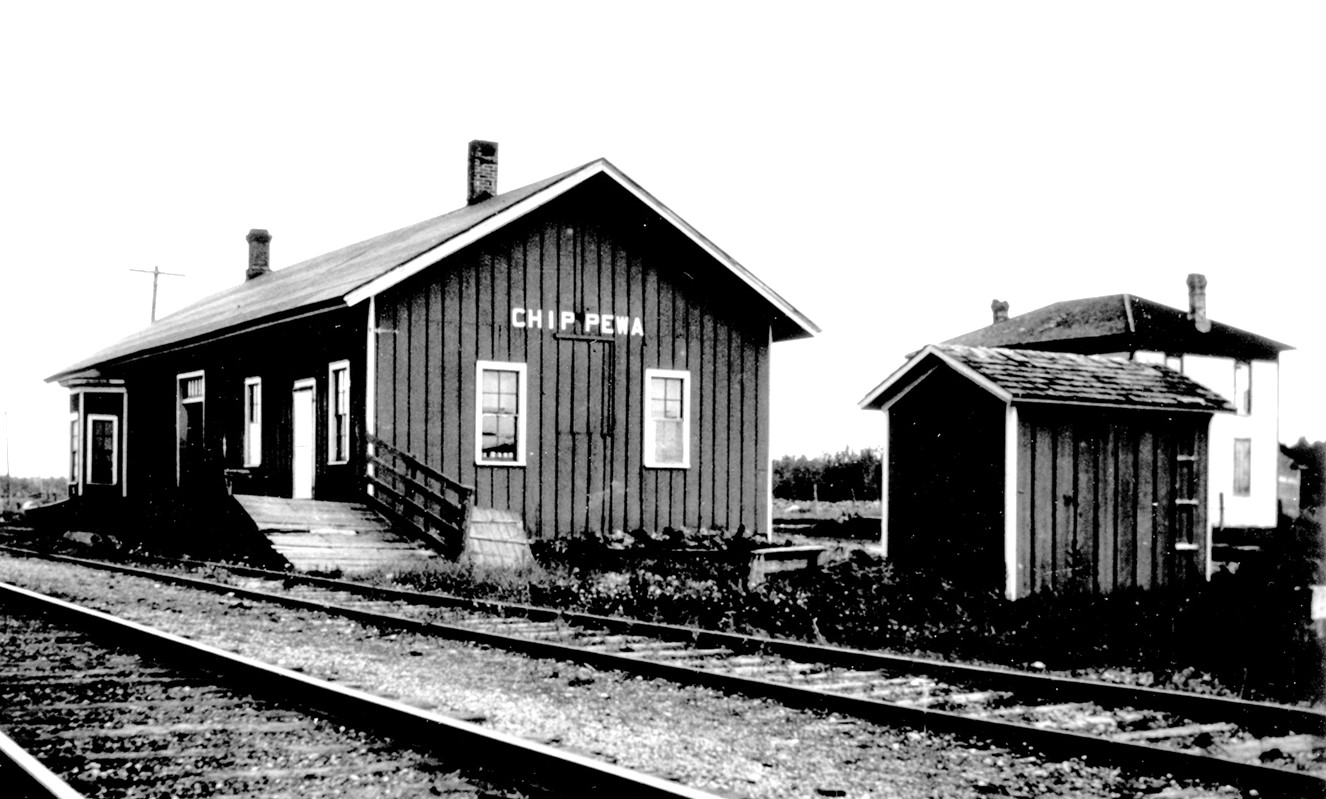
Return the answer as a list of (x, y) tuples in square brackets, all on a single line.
[(590, 322)]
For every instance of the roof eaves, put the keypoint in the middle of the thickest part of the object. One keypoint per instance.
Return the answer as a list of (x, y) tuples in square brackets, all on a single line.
[(553, 190), (869, 401), (556, 187), (92, 366), (808, 328), (1204, 408)]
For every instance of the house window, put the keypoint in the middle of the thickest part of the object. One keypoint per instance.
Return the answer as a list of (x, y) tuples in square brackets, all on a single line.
[(1242, 467), (499, 436), (668, 419), (253, 421), (1243, 387), (338, 412), (103, 444)]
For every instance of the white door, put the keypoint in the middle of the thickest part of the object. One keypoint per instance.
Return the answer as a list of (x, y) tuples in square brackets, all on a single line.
[(303, 441)]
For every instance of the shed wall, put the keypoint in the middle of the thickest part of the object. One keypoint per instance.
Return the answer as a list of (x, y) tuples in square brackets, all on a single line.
[(945, 485), (1110, 500)]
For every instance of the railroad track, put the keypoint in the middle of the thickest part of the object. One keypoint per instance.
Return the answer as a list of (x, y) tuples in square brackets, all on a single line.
[(93, 704), (1274, 749)]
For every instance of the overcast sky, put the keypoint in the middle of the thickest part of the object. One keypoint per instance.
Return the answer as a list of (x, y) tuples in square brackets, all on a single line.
[(887, 168)]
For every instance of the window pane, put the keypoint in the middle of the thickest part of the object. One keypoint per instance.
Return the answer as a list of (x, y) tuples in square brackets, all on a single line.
[(1242, 467), (73, 450), (667, 441), (101, 461), (1243, 386)]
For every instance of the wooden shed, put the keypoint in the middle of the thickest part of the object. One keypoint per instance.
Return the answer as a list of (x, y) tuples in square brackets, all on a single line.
[(1034, 471), (572, 352)]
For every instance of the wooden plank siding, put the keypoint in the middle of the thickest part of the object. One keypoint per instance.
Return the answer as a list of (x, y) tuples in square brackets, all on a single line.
[(585, 407), (279, 355), (1097, 499)]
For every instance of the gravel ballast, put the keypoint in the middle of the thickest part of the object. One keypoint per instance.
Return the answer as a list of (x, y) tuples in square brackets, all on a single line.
[(701, 737)]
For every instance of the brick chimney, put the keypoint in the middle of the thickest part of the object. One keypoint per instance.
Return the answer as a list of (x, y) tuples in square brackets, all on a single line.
[(1000, 309), (483, 171), (1197, 302), (259, 253)]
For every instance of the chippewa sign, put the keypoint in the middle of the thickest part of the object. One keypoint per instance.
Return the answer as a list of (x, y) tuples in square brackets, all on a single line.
[(589, 322)]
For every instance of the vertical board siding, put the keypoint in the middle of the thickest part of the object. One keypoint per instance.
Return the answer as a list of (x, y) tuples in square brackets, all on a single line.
[(1096, 502), (1026, 508), (586, 393)]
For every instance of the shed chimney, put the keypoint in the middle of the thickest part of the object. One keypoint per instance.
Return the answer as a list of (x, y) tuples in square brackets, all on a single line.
[(1197, 302), (483, 171), (1000, 308), (259, 253)]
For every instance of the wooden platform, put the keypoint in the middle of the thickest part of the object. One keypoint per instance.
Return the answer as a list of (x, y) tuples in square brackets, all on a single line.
[(315, 535)]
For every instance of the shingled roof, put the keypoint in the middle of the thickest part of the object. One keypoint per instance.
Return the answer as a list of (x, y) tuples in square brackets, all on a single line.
[(1118, 323), (352, 274), (1035, 376)]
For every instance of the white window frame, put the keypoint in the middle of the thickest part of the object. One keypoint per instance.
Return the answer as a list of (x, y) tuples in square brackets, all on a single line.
[(1243, 399), (92, 419), (252, 426), (332, 369), (76, 446), (651, 460), (522, 392)]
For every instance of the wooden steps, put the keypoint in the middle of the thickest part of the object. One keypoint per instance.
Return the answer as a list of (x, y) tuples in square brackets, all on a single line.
[(316, 535)]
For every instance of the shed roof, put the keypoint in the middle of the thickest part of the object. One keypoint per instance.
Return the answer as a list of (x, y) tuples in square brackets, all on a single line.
[(354, 273), (1062, 378), (1118, 323)]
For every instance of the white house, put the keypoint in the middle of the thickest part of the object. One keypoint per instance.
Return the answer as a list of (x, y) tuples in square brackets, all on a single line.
[(1243, 367)]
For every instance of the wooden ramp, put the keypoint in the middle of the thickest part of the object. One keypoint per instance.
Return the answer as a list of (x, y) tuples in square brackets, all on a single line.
[(496, 539), (315, 535)]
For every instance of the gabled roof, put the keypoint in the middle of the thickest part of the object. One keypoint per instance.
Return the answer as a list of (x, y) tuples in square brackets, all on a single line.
[(1119, 323), (1060, 378), (352, 274)]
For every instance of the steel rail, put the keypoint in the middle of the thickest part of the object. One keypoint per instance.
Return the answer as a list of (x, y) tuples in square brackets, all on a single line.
[(1264, 717), (26, 775), (399, 722), (1270, 780)]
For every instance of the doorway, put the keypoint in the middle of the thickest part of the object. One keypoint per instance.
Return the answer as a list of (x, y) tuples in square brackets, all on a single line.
[(585, 434), (304, 437)]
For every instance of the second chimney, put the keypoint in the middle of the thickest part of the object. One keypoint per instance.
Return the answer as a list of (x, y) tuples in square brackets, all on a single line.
[(1197, 302), (1000, 309), (483, 171), (259, 253)]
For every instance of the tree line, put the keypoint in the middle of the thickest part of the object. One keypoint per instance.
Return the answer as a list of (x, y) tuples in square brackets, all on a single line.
[(846, 475)]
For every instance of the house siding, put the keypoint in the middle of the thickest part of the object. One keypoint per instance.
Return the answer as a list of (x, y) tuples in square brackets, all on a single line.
[(584, 413)]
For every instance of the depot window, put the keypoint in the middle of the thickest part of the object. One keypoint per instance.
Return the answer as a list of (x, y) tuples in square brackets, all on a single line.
[(667, 419), (499, 435), (253, 421), (338, 412), (103, 446)]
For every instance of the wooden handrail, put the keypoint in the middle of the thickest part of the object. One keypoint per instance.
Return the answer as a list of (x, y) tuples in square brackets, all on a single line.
[(454, 485), (404, 485)]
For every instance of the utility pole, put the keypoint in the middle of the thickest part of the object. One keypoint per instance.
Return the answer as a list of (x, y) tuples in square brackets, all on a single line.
[(156, 273)]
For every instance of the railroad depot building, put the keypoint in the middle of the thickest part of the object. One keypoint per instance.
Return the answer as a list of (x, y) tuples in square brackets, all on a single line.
[(573, 350), (1090, 445)]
